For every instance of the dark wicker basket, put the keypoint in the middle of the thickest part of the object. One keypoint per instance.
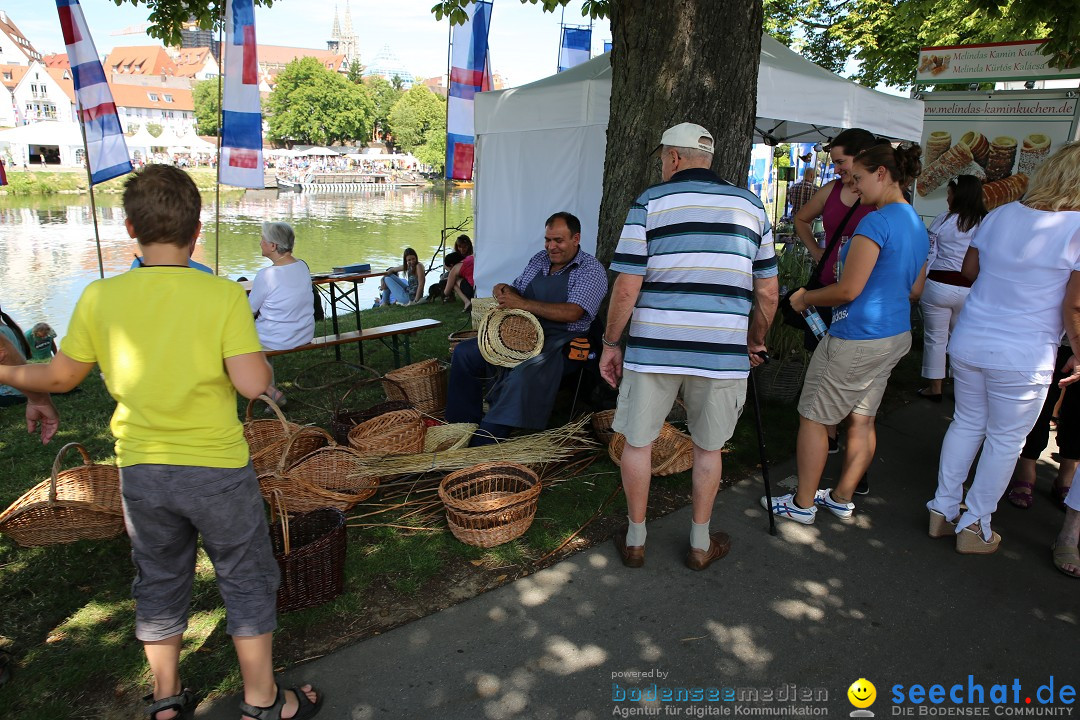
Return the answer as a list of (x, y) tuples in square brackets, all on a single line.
[(310, 551)]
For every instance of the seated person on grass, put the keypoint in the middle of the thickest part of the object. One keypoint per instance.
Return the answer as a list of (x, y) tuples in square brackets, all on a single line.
[(563, 287), (175, 346), (460, 282)]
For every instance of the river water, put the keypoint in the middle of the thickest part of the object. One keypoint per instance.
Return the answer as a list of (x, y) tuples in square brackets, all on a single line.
[(47, 253)]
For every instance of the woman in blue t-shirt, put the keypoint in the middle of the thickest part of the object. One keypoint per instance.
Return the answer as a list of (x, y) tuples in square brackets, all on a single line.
[(881, 270)]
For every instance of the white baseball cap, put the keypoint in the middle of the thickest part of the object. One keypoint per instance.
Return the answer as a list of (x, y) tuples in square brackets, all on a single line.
[(688, 135)]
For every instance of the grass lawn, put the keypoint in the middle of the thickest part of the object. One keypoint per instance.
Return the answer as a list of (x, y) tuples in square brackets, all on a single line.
[(66, 613)]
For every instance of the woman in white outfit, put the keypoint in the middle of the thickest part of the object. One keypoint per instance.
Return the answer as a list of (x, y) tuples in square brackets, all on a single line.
[(1025, 261), (946, 287), (281, 295)]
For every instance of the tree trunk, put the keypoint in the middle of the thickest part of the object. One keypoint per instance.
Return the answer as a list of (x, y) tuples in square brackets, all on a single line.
[(676, 61)]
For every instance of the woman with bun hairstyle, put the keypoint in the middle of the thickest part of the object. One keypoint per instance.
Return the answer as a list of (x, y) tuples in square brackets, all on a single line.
[(1025, 264), (881, 268), (946, 287)]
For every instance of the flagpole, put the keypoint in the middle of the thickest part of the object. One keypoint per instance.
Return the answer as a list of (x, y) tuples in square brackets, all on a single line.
[(217, 185), (562, 35), (90, 185), (446, 156)]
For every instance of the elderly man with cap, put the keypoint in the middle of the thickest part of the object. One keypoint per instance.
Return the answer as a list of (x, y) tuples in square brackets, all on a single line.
[(563, 286), (697, 284)]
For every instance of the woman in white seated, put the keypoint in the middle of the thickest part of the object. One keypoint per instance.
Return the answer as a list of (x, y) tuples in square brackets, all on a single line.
[(281, 295)]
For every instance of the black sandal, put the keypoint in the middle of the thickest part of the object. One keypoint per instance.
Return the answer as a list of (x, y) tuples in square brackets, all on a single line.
[(305, 708), (184, 704)]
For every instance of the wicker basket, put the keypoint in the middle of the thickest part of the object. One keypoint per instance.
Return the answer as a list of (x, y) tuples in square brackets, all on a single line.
[(491, 503), (781, 381), (480, 308), (310, 551), (81, 503), (601, 425), (422, 385), (460, 336), (394, 433), (267, 438), (344, 421), (332, 476), (440, 438), (509, 337), (672, 451)]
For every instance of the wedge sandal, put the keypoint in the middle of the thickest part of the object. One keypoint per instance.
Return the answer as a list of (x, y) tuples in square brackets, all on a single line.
[(1063, 556)]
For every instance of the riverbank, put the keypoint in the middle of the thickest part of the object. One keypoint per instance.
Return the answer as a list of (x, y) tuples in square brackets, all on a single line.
[(73, 181)]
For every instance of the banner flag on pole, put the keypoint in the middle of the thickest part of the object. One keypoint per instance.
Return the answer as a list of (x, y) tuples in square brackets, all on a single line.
[(607, 46), (241, 162), (107, 154), (467, 73), (576, 47), (3, 173)]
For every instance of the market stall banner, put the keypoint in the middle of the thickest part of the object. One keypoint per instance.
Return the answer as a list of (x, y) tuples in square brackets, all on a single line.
[(576, 47), (241, 110), (990, 62), (1000, 138), (468, 69)]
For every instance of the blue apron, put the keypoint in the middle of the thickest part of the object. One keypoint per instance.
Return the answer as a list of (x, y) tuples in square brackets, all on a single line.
[(523, 396)]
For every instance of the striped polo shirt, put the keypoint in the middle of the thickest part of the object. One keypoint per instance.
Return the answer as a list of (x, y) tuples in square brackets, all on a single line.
[(700, 243)]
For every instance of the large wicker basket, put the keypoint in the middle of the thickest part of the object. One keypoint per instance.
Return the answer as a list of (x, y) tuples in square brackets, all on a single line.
[(491, 503), (780, 380), (509, 337), (394, 433), (459, 337), (341, 423), (310, 551), (422, 385), (601, 425), (332, 476), (672, 451), (81, 503), (267, 438)]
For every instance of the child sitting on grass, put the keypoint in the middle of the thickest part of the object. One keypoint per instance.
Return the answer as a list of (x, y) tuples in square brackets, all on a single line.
[(175, 345)]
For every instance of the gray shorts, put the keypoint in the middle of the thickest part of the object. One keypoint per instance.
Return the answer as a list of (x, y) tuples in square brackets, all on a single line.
[(166, 509)]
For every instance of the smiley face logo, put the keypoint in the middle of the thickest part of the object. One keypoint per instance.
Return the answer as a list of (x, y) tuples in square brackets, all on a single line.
[(862, 693)]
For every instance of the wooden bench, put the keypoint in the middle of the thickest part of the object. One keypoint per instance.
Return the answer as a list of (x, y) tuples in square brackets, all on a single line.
[(402, 329)]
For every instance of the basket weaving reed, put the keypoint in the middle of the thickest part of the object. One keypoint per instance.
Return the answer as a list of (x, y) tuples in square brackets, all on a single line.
[(491, 503), (459, 337), (440, 438), (332, 476), (480, 308), (310, 552), (672, 452), (509, 337), (394, 433), (422, 385), (81, 503), (267, 438), (601, 425)]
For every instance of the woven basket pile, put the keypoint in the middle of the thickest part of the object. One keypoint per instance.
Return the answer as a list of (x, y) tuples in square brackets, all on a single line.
[(310, 552), (332, 476), (267, 438), (509, 337), (81, 503), (422, 385), (491, 503), (400, 432), (601, 425), (440, 438), (672, 452), (459, 337)]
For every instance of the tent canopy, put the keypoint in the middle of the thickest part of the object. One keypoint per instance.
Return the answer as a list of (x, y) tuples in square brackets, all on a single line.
[(540, 147), (317, 151), (46, 132)]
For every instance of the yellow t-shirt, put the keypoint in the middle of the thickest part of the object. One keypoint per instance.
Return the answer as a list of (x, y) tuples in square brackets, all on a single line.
[(160, 336)]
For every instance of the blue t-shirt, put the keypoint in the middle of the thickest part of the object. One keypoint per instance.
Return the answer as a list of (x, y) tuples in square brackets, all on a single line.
[(882, 308)]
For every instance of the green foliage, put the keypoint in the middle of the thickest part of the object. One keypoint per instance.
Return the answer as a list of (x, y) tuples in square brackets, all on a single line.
[(205, 97), (398, 83), (455, 9), (313, 105), (167, 17), (154, 129), (418, 121), (356, 72), (384, 96)]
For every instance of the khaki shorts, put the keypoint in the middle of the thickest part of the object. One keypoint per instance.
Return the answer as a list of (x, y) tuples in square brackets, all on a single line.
[(849, 376), (712, 407)]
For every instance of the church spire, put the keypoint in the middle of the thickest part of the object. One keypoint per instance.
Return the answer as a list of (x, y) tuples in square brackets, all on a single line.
[(335, 33), (348, 22)]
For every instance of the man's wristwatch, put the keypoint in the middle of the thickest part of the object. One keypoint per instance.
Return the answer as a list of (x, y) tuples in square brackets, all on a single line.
[(608, 343)]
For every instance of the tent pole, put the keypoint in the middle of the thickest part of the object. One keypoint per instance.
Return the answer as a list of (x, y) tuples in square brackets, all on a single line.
[(90, 185), (446, 156), (217, 184)]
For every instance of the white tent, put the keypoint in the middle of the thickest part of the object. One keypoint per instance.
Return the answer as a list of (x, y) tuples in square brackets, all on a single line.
[(65, 136), (141, 139), (193, 143), (318, 151), (540, 147), (168, 139)]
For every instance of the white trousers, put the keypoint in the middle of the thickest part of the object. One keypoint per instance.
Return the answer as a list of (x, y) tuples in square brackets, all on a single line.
[(995, 409), (941, 305), (1072, 500)]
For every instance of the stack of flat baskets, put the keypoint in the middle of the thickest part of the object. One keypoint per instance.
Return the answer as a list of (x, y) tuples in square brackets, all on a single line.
[(400, 432), (480, 308), (672, 452), (332, 476), (491, 503), (422, 385), (267, 438), (509, 337), (310, 552), (81, 503), (459, 337)]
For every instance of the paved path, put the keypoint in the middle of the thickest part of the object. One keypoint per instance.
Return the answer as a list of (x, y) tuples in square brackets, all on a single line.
[(816, 607)]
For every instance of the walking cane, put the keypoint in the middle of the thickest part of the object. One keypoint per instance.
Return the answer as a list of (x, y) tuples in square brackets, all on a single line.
[(761, 442)]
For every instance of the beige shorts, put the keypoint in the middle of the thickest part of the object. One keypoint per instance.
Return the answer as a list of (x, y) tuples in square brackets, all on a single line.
[(712, 407), (849, 376)]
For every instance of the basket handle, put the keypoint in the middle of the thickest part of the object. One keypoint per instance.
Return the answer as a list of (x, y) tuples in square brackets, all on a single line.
[(58, 462), (375, 377), (278, 502), (248, 417), (292, 438)]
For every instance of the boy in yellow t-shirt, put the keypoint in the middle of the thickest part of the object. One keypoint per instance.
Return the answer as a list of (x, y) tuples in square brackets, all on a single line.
[(175, 345)]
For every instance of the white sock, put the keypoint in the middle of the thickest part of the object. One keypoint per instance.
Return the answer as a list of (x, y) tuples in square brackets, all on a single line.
[(699, 536), (635, 533)]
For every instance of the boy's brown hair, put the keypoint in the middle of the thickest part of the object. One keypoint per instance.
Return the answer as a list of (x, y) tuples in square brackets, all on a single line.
[(163, 205)]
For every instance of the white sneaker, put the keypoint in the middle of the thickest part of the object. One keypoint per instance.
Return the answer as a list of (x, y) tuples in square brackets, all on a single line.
[(823, 498), (784, 506)]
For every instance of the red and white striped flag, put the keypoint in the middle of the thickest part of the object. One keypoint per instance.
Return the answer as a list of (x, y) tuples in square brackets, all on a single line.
[(241, 116), (106, 150)]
